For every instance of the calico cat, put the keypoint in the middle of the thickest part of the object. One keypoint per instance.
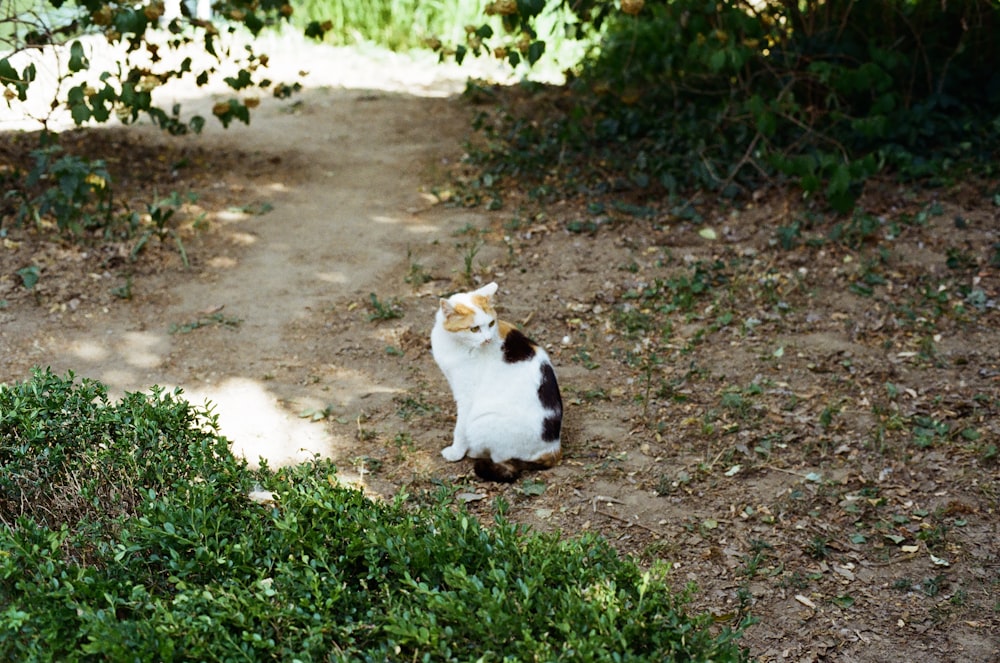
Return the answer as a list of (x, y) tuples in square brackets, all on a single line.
[(509, 406)]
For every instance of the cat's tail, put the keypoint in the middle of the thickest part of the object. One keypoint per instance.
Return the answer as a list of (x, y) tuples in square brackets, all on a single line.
[(509, 470)]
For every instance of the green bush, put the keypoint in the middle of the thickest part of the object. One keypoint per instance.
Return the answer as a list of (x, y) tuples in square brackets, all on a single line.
[(725, 95), (127, 534)]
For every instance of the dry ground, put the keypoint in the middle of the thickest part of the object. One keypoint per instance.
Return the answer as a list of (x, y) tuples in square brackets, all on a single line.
[(805, 428)]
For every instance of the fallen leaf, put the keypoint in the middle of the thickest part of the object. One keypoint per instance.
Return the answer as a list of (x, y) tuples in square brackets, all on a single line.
[(470, 497), (939, 561), (805, 601)]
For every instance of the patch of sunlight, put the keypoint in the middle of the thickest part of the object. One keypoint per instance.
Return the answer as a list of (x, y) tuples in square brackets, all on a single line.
[(251, 418), (332, 277), (413, 225)]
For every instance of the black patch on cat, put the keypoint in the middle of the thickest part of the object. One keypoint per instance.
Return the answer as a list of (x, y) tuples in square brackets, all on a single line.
[(517, 347), (548, 395), (551, 428), (507, 471), (500, 472)]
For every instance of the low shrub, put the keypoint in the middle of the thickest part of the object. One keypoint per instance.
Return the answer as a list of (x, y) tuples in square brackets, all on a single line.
[(683, 94), (127, 534)]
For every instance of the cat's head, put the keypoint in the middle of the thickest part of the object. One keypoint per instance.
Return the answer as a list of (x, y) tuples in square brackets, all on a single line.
[(470, 316)]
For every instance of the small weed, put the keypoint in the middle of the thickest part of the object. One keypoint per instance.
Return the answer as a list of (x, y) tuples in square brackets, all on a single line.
[(29, 276), (818, 547), (860, 229), (470, 251), (124, 291), (759, 549), (417, 276), (216, 319), (410, 407), (795, 580), (388, 310), (933, 536), (364, 434), (927, 431), (252, 209), (789, 236), (160, 212), (404, 444), (827, 415), (367, 464), (583, 358), (317, 414), (592, 395), (932, 586)]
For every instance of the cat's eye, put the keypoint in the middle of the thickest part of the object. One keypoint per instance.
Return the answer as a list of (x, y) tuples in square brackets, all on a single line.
[(474, 330), (492, 322)]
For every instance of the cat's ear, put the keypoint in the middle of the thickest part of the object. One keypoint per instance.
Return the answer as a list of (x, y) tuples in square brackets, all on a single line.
[(446, 307), (487, 290)]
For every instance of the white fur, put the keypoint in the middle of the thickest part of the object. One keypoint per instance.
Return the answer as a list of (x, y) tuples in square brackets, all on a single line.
[(499, 413)]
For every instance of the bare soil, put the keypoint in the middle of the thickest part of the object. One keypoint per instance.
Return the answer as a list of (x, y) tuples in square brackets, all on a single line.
[(807, 432)]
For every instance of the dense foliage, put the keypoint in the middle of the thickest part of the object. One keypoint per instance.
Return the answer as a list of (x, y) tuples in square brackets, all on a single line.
[(724, 94), (145, 56), (127, 533)]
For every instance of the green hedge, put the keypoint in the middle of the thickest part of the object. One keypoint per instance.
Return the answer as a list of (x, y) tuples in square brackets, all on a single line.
[(127, 535), (728, 94)]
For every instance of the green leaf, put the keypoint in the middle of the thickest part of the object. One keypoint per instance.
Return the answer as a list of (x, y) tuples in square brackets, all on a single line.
[(717, 60), (77, 59), (535, 51), (970, 434), (29, 276), (242, 80), (531, 487), (844, 601)]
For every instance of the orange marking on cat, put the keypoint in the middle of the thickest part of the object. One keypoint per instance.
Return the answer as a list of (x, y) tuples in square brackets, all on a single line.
[(460, 319), (483, 302), (550, 459)]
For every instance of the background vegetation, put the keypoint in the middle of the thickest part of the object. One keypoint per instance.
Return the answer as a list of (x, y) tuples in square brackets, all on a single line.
[(729, 95), (669, 95), (130, 532)]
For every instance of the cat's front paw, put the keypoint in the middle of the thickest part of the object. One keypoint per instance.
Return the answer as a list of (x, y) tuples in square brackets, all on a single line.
[(453, 453)]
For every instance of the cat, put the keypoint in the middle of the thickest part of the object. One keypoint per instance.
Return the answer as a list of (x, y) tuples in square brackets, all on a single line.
[(509, 406)]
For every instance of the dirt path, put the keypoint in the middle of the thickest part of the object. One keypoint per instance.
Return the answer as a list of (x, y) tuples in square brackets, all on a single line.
[(341, 174)]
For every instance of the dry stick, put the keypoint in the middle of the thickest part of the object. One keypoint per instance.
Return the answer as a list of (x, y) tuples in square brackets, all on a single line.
[(781, 469), (631, 523), (745, 159)]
